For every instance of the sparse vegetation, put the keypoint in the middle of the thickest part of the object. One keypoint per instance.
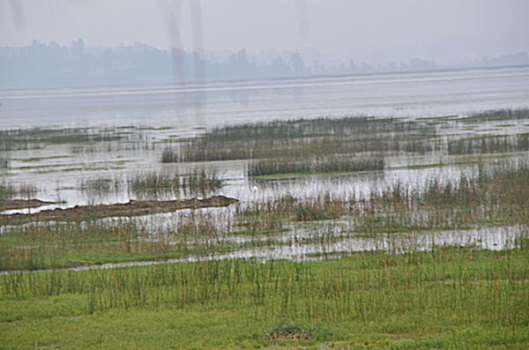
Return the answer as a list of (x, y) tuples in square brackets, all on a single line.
[(303, 139), (314, 166), (154, 185), (489, 144), (14, 139), (497, 115)]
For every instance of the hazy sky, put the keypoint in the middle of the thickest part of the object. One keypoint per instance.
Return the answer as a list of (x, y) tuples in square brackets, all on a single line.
[(377, 31)]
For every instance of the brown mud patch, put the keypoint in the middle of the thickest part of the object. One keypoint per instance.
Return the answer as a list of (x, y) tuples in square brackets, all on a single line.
[(132, 208), (14, 204)]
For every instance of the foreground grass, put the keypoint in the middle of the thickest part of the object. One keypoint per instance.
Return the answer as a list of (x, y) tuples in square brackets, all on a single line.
[(450, 297)]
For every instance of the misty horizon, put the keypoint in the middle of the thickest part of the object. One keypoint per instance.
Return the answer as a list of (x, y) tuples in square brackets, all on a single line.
[(378, 32), (54, 65)]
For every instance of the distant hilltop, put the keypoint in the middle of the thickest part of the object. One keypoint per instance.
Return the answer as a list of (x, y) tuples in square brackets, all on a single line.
[(41, 65)]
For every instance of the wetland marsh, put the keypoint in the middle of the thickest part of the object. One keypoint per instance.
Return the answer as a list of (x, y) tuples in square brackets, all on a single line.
[(344, 231)]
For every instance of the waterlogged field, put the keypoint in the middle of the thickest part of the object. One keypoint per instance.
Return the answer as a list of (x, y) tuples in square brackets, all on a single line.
[(329, 232)]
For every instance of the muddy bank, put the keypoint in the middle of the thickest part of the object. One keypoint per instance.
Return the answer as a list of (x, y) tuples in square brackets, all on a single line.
[(132, 208), (14, 204)]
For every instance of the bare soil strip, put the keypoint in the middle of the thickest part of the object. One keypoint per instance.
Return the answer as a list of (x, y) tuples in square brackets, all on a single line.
[(132, 208)]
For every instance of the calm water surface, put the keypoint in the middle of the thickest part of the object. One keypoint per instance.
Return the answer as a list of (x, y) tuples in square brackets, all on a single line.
[(187, 108)]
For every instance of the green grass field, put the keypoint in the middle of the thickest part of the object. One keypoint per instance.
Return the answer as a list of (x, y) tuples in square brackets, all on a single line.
[(446, 298)]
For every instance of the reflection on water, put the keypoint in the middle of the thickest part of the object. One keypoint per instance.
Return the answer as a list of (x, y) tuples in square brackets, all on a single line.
[(490, 238), (406, 95)]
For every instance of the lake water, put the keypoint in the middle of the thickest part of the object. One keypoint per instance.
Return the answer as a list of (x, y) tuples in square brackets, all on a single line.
[(188, 108)]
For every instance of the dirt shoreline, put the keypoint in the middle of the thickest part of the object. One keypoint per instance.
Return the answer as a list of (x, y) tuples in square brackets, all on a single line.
[(132, 208), (14, 204)]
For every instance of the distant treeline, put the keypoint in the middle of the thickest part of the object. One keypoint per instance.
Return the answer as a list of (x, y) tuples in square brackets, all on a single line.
[(51, 65)]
